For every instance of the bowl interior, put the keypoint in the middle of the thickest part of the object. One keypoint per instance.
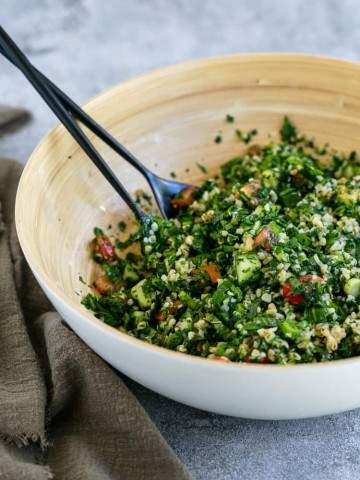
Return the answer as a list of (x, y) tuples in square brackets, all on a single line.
[(169, 119)]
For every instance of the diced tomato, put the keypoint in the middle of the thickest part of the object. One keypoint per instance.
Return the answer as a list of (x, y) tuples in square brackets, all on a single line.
[(176, 304), (249, 189), (212, 270), (200, 347), (311, 279), (104, 247), (103, 285), (262, 360), (160, 317), (286, 289), (221, 359), (299, 179), (196, 271), (185, 199), (254, 150), (264, 239), (295, 299)]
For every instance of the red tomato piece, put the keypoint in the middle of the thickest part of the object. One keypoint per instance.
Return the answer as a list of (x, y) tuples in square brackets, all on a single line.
[(295, 299), (105, 247), (249, 189), (212, 270), (103, 285), (185, 199), (311, 279), (160, 317), (264, 239)]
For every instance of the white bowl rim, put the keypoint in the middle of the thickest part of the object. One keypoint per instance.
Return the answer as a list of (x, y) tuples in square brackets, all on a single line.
[(78, 309)]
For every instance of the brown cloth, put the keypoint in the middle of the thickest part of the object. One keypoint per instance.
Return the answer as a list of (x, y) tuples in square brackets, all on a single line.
[(11, 118), (64, 413)]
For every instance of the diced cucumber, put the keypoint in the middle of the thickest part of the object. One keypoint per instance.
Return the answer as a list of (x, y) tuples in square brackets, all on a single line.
[(139, 316), (247, 266), (130, 273), (274, 227), (144, 299), (290, 329), (186, 298), (350, 171), (258, 210), (270, 178), (337, 258), (278, 252), (352, 287)]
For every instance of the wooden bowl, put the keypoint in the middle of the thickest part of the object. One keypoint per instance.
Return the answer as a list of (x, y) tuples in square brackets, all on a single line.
[(169, 119)]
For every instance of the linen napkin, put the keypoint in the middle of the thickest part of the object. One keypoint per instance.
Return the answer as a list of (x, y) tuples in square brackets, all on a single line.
[(11, 118), (64, 413)]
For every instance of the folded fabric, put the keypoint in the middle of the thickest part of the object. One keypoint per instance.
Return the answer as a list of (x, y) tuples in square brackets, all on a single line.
[(12, 117), (64, 413)]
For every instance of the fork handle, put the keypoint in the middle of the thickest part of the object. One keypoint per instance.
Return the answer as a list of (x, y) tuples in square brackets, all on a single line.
[(12, 52), (89, 122)]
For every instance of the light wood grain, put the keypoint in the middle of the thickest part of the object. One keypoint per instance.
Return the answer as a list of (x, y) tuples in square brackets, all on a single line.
[(169, 118)]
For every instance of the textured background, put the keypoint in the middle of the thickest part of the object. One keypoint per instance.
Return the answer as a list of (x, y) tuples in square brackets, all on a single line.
[(88, 45)]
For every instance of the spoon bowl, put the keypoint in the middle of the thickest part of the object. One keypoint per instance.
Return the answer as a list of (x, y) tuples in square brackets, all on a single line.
[(164, 192)]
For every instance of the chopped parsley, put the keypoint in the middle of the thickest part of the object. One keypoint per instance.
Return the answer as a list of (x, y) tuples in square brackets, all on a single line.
[(218, 138), (122, 226), (289, 133), (260, 264), (98, 232), (246, 137), (202, 167)]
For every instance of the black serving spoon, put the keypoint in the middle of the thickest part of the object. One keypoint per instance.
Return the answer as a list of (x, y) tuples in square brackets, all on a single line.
[(67, 111)]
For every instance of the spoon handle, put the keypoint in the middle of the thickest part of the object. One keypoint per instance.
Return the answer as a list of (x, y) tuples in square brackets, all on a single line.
[(89, 122), (12, 52)]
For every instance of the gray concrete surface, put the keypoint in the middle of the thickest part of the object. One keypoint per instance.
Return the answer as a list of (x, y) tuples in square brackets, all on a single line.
[(89, 45)]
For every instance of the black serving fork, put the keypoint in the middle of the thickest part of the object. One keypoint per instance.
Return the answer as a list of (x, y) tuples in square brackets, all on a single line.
[(67, 111)]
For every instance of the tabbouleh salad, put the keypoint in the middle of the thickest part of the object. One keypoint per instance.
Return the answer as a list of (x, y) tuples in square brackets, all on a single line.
[(260, 264)]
